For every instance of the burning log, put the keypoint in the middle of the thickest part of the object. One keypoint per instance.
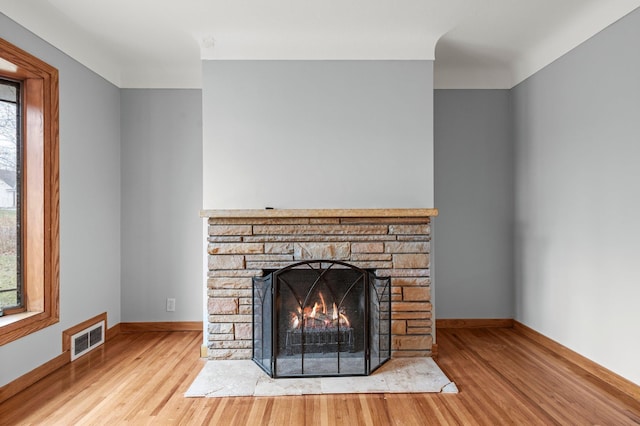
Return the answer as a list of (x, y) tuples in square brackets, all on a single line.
[(317, 317)]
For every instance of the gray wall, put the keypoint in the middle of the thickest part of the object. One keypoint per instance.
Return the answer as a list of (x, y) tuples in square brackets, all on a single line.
[(162, 236), (473, 234), (318, 134), (577, 135), (89, 204)]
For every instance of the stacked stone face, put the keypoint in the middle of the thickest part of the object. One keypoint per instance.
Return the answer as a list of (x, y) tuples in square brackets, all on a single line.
[(240, 248)]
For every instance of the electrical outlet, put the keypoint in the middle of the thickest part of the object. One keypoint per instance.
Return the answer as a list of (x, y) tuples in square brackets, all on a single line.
[(171, 305)]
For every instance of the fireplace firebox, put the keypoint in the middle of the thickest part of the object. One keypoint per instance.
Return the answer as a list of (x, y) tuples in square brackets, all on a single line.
[(321, 318)]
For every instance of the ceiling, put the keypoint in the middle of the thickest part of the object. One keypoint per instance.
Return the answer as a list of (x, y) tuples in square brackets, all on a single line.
[(160, 43)]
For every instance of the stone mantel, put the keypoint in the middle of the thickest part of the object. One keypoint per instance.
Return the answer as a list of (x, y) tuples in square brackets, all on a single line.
[(318, 213)]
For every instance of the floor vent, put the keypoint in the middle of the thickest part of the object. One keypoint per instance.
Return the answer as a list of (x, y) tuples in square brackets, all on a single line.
[(87, 339)]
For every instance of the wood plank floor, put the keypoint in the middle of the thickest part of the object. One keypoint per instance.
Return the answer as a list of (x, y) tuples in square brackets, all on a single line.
[(503, 377)]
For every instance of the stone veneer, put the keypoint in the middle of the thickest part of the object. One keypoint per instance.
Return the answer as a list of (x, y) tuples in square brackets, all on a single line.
[(243, 243)]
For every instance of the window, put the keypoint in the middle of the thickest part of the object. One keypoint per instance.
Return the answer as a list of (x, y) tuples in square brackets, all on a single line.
[(29, 87), (10, 147)]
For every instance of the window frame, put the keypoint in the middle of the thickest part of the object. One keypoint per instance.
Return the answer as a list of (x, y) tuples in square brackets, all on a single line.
[(40, 253)]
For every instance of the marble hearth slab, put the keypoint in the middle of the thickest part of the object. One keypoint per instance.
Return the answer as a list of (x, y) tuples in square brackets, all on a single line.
[(220, 378)]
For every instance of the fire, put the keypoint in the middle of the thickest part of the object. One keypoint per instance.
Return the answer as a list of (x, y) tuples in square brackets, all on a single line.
[(344, 321), (317, 317), (324, 305), (295, 321)]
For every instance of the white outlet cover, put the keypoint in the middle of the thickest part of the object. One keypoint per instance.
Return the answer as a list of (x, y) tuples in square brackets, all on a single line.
[(171, 305)]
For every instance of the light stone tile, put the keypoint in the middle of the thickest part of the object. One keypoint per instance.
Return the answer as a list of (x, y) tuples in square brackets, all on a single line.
[(230, 283), (278, 248), (235, 248), (332, 221), (408, 281), (269, 258), (222, 306), (230, 344), (267, 386), (231, 273), (406, 247), (222, 230), (372, 265), (373, 247), (410, 261), (241, 293), (229, 354), (414, 294), (310, 251), (268, 265), (369, 257), (243, 331), (370, 384), (245, 310), (221, 378), (399, 273), (310, 238), (226, 378), (411, 306), (414, 375), (410, 229), (225, 261), (450, 388), (214, 337), (221, 328), (413, 237), (230, 318), (224, 239), (320, 229)]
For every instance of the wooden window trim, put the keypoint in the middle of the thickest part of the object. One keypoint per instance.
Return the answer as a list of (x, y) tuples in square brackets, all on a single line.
[(40, 189)]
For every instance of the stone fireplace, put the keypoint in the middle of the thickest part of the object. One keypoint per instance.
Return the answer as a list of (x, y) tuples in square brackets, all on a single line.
[(243, 244)]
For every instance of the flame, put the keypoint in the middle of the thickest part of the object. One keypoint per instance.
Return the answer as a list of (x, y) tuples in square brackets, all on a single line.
[(344, 318), (317, 317), (324, 305), (295, 321)]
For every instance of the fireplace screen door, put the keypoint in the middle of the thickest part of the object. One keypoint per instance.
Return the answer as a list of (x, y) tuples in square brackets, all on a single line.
[(321, 318)]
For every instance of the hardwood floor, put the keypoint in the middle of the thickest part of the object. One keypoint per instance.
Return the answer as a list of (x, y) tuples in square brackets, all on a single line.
[(503, 377)]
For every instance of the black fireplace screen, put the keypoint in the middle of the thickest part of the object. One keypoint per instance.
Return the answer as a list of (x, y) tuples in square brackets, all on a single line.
[(321, 318)]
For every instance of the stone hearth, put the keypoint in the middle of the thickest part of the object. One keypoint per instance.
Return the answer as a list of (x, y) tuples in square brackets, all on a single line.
[(244, 243)]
